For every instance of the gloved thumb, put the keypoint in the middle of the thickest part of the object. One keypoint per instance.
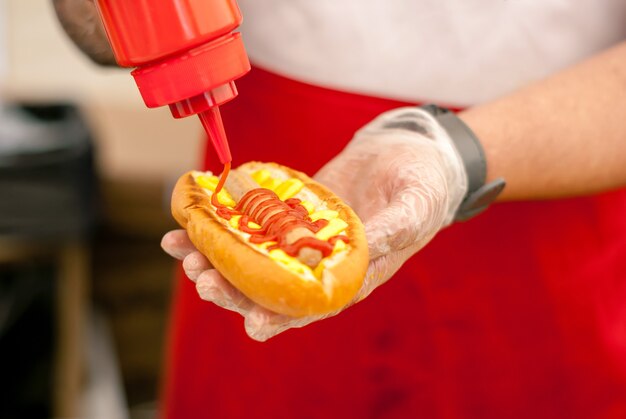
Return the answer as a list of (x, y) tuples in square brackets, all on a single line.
[(415, 211)]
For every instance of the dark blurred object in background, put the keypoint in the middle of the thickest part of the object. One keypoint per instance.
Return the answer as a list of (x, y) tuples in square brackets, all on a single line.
[(47, 212), (26, 339), (47, 182)]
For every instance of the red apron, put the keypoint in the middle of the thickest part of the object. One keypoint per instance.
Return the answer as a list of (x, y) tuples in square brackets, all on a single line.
[(520, 313)]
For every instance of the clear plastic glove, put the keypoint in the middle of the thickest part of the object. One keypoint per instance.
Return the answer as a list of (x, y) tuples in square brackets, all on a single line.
[(402, 176)]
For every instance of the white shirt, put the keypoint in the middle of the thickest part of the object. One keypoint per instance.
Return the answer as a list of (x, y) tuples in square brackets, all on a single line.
[(456, 52)]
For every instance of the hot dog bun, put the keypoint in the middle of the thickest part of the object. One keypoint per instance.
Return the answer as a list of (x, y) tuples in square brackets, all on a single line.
[(251, 270)]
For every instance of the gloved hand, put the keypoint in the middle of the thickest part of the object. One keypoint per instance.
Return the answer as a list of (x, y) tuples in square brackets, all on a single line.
[(404, 178)]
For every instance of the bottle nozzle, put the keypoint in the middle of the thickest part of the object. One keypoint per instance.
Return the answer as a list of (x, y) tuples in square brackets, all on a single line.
[(212, 122)]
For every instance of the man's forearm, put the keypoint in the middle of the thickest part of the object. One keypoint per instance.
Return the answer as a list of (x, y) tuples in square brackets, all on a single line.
[(563, 136)]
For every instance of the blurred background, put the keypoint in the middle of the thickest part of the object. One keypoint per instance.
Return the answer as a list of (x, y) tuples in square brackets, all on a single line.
[(85, 176)]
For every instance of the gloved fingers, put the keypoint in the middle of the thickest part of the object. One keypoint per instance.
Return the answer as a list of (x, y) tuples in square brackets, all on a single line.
[(262, 324), (213, 287), (194, 264), (176, 243)]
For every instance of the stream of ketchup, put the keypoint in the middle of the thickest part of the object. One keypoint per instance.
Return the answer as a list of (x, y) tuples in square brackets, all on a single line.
[(257, 205), (223, 177)]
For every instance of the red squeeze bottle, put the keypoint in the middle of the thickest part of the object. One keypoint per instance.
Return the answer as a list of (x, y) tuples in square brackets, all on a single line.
[(185, 53)]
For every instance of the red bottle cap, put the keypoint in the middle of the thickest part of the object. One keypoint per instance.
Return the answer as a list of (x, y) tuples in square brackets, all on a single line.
[(196, 80)]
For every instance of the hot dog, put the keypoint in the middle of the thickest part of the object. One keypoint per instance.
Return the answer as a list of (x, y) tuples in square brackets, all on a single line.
[(285, 241)]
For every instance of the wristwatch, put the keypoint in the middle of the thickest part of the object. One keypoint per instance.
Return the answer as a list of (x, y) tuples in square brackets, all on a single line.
[(479, 195)]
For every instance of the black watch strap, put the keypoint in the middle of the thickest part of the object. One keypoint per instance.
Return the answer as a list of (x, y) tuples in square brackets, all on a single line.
[(479, 195)]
